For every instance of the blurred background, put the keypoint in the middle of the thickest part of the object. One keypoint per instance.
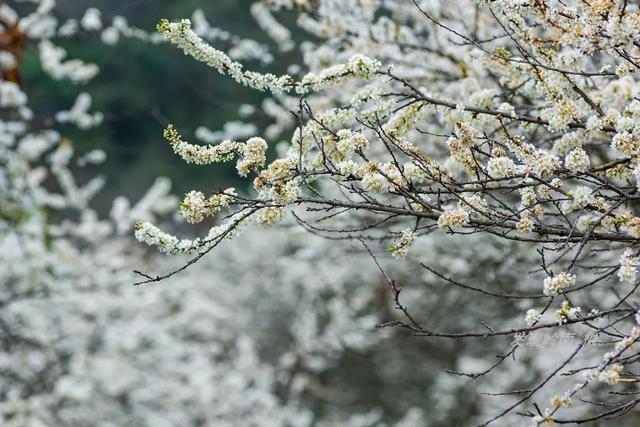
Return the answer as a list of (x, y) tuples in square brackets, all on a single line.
[(136, 111)]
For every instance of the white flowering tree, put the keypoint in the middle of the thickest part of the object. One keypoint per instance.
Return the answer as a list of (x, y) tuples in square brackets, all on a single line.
[(511, 121), (80, 346)]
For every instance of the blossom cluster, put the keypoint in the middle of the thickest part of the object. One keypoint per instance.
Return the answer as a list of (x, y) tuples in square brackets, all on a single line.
[(252, 153), (196, 206), (628, 266), (181, 34), (561, 281)]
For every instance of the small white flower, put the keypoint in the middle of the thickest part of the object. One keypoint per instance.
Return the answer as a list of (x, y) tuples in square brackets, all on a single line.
[(349, 141), (582, 195), (525, 225), (624, 143), (567, 312), (91, 21), (11, 96), (533, 316), (270, 215), (628, 266), (501, 167), (110, 36), (401, 247), (253, 156), (552, 285), (79, 114), (375, 182), (7, 60), (577, 160), (452, 217)]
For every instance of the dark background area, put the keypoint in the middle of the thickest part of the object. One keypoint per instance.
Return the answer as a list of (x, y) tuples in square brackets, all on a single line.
[(143, 86)]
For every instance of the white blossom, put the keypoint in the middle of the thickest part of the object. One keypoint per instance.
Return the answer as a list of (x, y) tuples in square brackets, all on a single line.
[(79, 113), (452, 217), (91, 21), (628, 266), (554, 284), (624, 143), (577, 160), (11, 96), (532, 317), (501, 167), (270, 216), (400, 248)]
